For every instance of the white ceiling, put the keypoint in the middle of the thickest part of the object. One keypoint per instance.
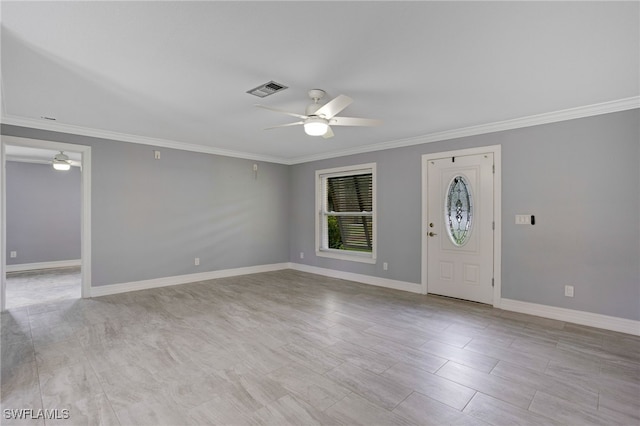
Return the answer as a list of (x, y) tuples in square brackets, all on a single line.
[(176, 73)]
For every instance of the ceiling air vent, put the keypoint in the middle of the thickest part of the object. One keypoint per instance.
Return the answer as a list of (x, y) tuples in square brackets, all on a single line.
[(267, 89)]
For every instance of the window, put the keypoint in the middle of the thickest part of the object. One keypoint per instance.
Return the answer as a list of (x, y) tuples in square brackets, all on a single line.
[(346, 207), (459, 211)]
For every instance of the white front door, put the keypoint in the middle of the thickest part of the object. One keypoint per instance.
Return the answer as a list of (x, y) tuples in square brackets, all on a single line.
[(460, 226)]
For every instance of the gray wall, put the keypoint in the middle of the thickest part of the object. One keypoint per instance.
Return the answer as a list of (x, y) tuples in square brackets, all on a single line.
[(580, 178), (43, 213), (151, 218)]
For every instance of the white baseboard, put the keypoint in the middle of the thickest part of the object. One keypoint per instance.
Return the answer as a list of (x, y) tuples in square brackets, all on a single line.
[(622, 325), (183, 279), (365, 279), (606, 322), (43, 265), (203, 276)]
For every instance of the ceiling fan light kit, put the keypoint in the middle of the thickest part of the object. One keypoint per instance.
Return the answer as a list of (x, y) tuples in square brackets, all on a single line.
[(316, 126), (61, 162), (318, 118)]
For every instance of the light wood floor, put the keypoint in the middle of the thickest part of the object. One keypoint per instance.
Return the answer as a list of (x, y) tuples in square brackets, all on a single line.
[(42, 286), (289, 347)]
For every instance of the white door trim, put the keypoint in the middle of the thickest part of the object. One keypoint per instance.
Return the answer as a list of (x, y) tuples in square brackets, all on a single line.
[(85, 244), (497, 212)]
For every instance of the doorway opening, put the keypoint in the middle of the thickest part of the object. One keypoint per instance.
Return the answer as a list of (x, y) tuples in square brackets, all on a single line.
[(45, 222)]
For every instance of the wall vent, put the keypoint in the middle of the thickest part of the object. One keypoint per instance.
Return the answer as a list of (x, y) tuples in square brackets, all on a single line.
[(267, 89)]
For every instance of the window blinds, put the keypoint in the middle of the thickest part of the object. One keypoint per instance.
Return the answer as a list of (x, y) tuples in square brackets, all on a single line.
[(350, 200)]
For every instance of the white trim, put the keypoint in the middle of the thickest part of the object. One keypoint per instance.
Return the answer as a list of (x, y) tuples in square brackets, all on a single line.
[(516, 123), (605, 322), (590, 319), (3, 227), (497, 231), (320, 231), (498, 126), (497, 213), (143, 140), (351, 256), (85, 231), (360, 278), (85, 224), (43, 265), (183, 279), (346, 170), (35, 161)]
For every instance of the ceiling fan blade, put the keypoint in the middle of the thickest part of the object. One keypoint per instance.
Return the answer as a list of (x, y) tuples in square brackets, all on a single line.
[(334, 106), (297, 123), (352, 121), (329, 133), (293, 114)]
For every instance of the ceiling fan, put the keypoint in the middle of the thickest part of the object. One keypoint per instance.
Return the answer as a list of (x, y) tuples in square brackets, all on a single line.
[(319, 118)]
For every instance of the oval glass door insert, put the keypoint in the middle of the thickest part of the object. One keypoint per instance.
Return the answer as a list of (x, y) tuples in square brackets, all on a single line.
[(459, 211)]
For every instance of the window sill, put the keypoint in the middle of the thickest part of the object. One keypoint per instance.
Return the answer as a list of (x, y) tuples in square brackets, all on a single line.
[(351, 256)]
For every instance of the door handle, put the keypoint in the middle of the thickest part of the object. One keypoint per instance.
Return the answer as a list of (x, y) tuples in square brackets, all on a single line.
[(432, 234)]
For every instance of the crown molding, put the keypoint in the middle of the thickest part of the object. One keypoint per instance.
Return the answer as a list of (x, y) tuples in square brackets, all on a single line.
[(143, 140), (516, 123)]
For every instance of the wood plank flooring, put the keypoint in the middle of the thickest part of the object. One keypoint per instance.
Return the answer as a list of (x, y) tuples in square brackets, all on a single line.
[(41, 286), (288, 347)]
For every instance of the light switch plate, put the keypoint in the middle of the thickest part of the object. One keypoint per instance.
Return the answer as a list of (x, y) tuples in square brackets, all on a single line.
[(523, 219), (568, 290)]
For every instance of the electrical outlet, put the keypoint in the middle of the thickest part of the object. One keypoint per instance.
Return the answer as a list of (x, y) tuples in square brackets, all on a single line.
[(156, 155), (301, 255), (568, 290), (196, 261), (385, 266), (14, 254)]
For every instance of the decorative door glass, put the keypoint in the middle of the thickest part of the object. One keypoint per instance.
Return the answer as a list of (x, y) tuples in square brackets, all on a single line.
[(459, 211)]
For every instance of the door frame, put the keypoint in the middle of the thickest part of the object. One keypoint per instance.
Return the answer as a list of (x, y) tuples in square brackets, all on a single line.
[(85, 231), (497, 213)]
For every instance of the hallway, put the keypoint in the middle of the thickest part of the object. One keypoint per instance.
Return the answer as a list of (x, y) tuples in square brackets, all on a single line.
[(42, 286)]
